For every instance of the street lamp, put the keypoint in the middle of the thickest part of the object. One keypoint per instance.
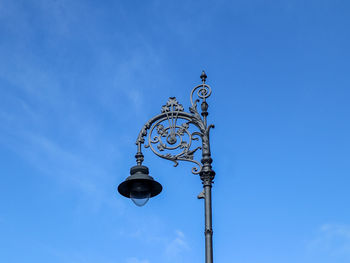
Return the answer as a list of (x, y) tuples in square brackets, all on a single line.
[(169, 136)]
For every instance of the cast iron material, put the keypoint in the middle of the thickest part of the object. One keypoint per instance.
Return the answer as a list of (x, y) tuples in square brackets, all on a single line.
[(169, 137), (139, 174)]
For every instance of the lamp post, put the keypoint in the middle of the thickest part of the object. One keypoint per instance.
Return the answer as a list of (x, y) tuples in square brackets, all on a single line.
[(169, 135)]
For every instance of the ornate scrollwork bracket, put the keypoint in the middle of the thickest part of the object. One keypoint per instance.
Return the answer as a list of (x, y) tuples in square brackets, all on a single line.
[(170, 135)]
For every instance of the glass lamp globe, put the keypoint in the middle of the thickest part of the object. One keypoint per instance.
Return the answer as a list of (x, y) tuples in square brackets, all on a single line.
[(140, 193)]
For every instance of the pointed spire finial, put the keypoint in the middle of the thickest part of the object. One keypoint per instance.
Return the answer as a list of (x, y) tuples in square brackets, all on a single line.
[(203, 76)]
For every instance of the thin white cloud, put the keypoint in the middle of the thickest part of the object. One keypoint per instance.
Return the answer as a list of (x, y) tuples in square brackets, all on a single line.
[(68, 168), (56, 117), (44, 106), (332, 240), (136, 260), (177, 246), (153, 232)]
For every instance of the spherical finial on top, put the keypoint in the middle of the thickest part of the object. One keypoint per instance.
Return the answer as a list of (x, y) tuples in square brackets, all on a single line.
[(203, 76)]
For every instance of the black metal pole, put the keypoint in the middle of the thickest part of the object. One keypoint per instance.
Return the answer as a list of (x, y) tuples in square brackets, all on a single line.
[(207, 175), (208, 225)]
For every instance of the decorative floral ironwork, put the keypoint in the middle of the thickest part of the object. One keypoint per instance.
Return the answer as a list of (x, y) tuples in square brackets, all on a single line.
[(169, 136)]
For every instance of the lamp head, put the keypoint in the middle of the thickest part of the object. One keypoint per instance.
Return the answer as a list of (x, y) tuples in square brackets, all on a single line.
[(139, 186)]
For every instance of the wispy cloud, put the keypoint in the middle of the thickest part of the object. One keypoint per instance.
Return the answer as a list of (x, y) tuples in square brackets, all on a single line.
[(54, 131), (136, 260), (177, 246), (152, 231), (55, 115), (332, 240)]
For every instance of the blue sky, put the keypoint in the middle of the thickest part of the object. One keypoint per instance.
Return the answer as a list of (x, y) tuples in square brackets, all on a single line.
[(78, 79)]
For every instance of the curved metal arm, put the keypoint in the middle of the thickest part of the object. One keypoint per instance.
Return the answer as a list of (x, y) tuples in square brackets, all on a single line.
[(168, 134)]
